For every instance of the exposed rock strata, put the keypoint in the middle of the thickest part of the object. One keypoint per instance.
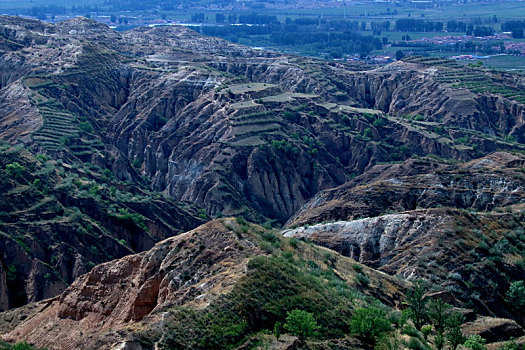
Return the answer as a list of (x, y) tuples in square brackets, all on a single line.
[(482, 185)]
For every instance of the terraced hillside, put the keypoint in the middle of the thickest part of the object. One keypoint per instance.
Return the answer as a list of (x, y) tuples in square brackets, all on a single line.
[(194, 115)]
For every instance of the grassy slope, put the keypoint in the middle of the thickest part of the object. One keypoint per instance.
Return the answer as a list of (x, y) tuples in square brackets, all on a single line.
[(291, 275)]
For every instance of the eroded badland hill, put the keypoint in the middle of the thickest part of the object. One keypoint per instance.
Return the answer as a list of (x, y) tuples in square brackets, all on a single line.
[(120, 148)]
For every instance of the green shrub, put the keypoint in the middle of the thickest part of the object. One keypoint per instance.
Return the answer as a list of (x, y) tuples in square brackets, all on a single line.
[(439, 130), (108, 174), (241, 221), (286, 147), (272, 287), (270, 238), (66, 141), (41, 158), (18, 346), (362, 279), (416, 344), (313, 152), (85, 126), (410, 330), (475, 342), (483, 247), (290, 116), (301, 324), (294, 242), (357, 267), (515, 296), (123, 214), (369, 323), (217, 329), (426, 330), (379, 122), (15, 170), (22, 346), (202, 214), (510, 345), (368, 133), (277, 329), (463, 140), (37, 183)]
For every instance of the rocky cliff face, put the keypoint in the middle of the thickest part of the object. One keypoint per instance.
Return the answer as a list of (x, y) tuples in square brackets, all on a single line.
[(481, 185)]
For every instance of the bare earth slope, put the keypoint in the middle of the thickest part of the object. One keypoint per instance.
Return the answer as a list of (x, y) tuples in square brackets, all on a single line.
[(482, 185)]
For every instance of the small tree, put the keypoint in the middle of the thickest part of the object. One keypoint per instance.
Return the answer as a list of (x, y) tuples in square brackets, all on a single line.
[(453, 326), (277, 329), (439, 313), (417, 304), (14, 170), (515, 296), (301, 324), (439, 341), (369, 323)]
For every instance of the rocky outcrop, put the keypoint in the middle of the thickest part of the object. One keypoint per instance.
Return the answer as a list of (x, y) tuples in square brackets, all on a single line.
[(483, 184), (493, 329), (382, 242)]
